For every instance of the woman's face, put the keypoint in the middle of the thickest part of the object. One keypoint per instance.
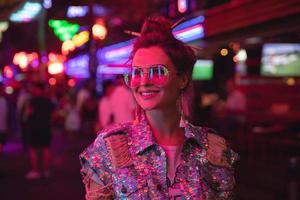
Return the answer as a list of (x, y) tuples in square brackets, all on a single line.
[(150, 95)]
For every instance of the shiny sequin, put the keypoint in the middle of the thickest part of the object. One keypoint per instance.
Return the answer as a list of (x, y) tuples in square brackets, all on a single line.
[(146, 178)]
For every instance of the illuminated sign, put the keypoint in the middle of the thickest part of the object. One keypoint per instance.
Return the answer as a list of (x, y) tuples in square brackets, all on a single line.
[(3, 27), (28, 12), (111, 69), (190, 34), (78, 67), (63, 29), (77, 41), (8, 72), (182, 6), (55, 68), (47, 4), (77, 11)]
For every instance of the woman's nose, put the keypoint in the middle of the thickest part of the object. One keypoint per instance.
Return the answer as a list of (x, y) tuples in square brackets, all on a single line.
[(145, 79)]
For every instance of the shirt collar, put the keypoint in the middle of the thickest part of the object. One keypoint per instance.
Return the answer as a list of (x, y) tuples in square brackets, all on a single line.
[(142, 137)]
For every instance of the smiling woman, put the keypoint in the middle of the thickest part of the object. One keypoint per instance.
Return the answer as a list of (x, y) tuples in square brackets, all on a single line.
[(159, 155)]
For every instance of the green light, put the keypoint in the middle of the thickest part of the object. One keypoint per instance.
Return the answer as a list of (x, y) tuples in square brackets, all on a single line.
[(63, 29), (203, 70)]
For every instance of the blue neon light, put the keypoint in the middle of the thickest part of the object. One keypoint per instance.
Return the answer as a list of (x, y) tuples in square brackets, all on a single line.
[(189, 23), (108, 69), (190, 34), (77, 11), (115, 52), (78, 67), (27, 13)]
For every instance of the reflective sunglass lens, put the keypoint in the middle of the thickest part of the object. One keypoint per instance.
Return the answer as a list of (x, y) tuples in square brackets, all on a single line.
[(157, 75)]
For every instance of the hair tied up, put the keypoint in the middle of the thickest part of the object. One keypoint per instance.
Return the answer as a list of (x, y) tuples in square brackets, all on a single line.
[(137, 34)]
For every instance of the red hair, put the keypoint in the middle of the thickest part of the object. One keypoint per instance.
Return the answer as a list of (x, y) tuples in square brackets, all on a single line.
[(157, 31)]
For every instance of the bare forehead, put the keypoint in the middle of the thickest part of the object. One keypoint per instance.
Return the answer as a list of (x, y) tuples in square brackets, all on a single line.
[(149, 56)]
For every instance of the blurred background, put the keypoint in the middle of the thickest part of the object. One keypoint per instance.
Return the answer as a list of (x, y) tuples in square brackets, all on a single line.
[(246, 84)]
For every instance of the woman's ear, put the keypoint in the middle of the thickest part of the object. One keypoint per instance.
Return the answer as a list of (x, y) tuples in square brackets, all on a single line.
[(184, 80)]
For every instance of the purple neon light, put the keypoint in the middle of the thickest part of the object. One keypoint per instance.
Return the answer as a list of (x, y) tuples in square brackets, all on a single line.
[(187, 31)]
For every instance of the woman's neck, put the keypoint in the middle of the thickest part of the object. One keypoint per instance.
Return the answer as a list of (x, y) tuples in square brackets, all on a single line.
[(165, 126)]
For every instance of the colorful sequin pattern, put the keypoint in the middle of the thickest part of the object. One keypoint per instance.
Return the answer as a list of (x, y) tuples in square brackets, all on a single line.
[(144, 176)]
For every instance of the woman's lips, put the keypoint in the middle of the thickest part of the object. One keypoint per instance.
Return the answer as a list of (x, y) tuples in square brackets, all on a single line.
[(148, 94)]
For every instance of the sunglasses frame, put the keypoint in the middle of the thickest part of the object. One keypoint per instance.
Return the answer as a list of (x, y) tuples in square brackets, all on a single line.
[(164, 67)]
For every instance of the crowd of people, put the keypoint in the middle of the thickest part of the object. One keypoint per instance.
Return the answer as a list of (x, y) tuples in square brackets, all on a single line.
[(38, 110)]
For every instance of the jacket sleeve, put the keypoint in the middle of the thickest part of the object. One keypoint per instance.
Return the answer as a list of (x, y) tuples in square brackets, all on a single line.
[(95, 172), (219, 169)]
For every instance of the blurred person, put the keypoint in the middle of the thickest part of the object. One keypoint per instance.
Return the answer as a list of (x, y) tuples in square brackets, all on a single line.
[(122, 102), (3, 118), (83, 94), (230, 114), (154, 156), (105, 113), (38, 130), (72, 117), (22, 99), (236, 100), (89, 115), (85, 103)]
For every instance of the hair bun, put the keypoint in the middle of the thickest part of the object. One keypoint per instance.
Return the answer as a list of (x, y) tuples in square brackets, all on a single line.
[(157, 23)]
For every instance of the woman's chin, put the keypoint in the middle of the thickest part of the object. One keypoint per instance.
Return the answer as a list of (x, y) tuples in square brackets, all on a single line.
[(147, 107)]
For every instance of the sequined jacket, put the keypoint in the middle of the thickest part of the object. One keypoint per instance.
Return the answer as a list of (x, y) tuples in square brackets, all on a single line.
[(144, 170)]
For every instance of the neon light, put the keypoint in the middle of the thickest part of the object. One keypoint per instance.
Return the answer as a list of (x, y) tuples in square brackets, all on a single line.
[(119, 53), (99, 10), (78, 67), (203, 70), (52, 57), (28, 12), (112, 53), (108, 69), (190, 34), (67, 47), (9, 90), (241, 55), (224, 52), (63, 29), (99, 30), (186, 32), (55, 68), (52, 81), (81, 38), (115, 52), (3, 27), (21, 60), (77, 11), (8, 72), (189, 23), (77, 41), (182, 6), (71, 82), (47, 4)]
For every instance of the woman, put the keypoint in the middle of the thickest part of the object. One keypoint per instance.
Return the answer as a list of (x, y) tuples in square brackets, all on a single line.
[(156, 156)]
